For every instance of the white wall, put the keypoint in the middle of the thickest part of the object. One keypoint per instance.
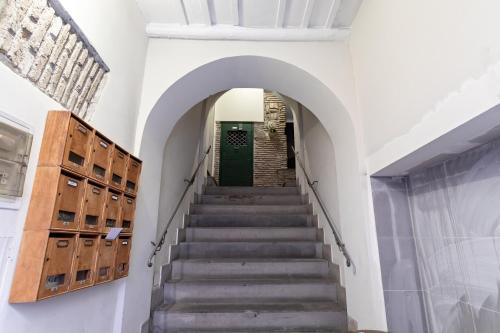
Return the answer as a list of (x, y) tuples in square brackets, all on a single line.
[(118, 35), (422, 68), (240, 104), (179, 161)]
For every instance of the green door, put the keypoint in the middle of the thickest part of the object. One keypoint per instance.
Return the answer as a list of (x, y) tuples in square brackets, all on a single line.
[(236, 154)]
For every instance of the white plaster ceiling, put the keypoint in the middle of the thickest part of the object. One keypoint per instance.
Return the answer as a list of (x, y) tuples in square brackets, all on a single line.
[(306, 20)]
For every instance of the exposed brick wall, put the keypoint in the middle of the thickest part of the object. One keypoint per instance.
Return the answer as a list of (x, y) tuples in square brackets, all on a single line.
[(270, 153), (217, 151), (40, 42), (270, 149)]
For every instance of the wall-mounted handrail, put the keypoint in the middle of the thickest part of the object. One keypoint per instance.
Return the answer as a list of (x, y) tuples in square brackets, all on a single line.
[(158, 245), (336, 233)]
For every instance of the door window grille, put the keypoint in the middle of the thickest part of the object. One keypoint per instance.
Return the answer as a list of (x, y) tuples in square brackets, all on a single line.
[(237, 138)]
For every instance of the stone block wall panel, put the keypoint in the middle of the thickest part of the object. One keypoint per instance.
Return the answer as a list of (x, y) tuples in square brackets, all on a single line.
[(40, 41)]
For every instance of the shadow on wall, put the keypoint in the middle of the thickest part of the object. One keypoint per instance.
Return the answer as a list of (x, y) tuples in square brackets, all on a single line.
[(439, 243)]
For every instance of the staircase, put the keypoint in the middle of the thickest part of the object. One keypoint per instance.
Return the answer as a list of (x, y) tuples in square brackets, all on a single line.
[(251, 259)]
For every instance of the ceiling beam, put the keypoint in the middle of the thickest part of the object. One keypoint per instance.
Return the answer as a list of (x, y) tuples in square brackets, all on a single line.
[(280, 14), (206, 7), (236, 12), (332, 13), (306, 19), (221, 32), (184, 12)]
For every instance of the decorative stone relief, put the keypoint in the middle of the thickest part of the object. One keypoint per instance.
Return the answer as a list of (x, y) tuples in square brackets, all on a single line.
[(40, 42)]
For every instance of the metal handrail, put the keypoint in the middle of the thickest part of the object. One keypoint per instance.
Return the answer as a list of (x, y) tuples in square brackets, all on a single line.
[(158, 245), (336, 233)]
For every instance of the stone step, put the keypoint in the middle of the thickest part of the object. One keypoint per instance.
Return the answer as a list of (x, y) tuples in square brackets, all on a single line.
[(254, 330), (250, 290), (252, 199), (287, 317), (264, 249), (250, 233), (249, 220), (252, 268), (251, 190), (250, 209)]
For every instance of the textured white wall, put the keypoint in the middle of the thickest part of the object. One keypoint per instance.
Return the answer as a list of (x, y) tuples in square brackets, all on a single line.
[(118, 35), (240, 104), (422, 68)]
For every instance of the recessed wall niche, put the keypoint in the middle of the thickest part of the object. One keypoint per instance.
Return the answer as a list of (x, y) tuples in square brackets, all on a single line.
[(40, 42)]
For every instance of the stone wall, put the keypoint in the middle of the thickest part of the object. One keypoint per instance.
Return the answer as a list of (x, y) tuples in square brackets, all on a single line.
[(40, 42), (270, 149)]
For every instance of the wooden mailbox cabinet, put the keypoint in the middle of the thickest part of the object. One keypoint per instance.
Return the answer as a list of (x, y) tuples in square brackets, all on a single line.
[(84, 186)]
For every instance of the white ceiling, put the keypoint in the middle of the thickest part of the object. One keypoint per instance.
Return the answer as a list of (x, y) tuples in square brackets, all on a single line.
[(250, 19)]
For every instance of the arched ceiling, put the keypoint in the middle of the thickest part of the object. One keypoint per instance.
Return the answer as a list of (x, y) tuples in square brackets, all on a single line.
[(304, 20)]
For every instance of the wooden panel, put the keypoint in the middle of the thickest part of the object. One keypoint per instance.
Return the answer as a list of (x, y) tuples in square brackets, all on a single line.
[(133, 174), (122, 256), (113, 210), (43, 198), (106, 259), (69, 200), (77, 149), (54, 138), (93, 207), (56, 273), (128, 213), (29, 266), (118, 168), (84, 263), (100, 160)]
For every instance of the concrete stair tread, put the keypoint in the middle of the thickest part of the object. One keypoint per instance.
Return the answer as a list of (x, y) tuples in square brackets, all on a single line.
[(242, 260), (253, 281), (221, 307), (251, 190), (254, 331), (218, 209)]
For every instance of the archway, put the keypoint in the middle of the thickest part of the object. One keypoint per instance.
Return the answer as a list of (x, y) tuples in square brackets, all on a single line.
[(364, 292)]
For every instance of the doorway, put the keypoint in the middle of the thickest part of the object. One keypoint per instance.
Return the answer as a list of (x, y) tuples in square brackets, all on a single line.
[(236, 154)]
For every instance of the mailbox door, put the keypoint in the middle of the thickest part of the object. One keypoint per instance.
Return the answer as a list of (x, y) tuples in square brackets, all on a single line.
[(84, 262), (100, 159), (106, 258), (133, 172), (70, 192), (122, 257), (57, 266), (128, 212), (95, 198), (76, 151), (112, 211), (119, 164)]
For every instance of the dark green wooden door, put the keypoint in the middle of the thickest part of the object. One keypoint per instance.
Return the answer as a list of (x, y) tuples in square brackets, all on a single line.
[(236, 154)]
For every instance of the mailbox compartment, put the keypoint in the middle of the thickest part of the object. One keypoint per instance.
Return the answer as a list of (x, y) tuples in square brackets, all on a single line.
[(84, 262), (69, 199), (118, 168), (128, 213), (95, 199), (133, 173), (100, 159), (77, 148), (57, 265), (124, 244), (112, 210), (105, 260)]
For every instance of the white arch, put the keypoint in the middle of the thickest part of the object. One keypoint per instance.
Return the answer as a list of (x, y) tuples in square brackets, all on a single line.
[(364, 291)]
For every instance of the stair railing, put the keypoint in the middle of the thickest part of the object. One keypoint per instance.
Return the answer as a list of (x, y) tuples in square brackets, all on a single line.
[(333, 227), (189, 182)]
